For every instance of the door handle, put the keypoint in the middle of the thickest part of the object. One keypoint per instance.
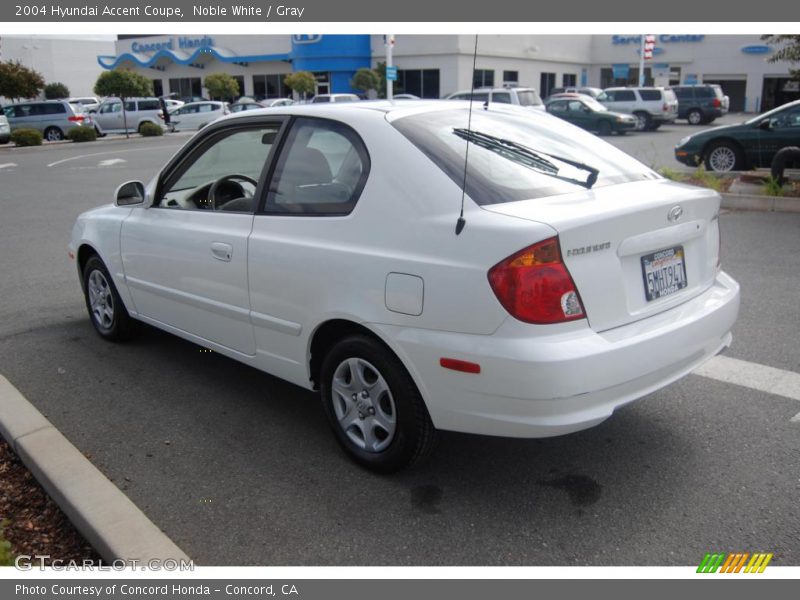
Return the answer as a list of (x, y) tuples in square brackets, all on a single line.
[(222, 251)]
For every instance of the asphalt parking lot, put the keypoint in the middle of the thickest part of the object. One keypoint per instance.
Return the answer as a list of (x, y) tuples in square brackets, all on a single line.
[(238, 467)]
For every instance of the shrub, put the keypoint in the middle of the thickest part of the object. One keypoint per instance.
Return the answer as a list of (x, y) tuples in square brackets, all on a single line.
[(6, 555), (150, 130), (82, 134), (26, 137), (772, 186)]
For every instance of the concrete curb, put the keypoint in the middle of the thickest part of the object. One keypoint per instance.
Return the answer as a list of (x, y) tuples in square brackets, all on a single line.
[(106, 517), (760, 203)]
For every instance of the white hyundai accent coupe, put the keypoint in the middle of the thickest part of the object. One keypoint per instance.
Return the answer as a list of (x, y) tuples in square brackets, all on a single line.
[(423, 266)]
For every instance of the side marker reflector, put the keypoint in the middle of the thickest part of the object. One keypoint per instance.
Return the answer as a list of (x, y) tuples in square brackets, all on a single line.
[(460, 365)]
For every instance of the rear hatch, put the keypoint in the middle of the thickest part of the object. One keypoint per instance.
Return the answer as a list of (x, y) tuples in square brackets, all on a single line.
[(633, 249), (670, 106)]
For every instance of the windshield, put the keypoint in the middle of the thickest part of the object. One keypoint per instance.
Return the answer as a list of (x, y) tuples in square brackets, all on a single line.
[(593, 104), (529, 98), (497, 176), (767, 114)]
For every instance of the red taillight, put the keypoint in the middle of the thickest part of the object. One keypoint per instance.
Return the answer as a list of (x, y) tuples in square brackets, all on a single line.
[(76, 119), (665, 108), (716, 103), (534, 286)]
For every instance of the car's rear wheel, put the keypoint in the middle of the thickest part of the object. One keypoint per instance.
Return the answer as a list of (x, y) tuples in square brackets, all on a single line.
[(653, 126), (695, 117), (723, 156), (53, 134), (373, 406), (99, 132), (106, 310), (643, 121), (604, 128)]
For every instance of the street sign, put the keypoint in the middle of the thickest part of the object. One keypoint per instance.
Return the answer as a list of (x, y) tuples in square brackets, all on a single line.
[(391, 73)]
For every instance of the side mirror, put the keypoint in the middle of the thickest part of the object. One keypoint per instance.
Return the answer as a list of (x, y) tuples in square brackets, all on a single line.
[(765, 124), (130, 193)]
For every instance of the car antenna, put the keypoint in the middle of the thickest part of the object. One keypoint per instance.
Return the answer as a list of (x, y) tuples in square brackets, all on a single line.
[(461, 220)]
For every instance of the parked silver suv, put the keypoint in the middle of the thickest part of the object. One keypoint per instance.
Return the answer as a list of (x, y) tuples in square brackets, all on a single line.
[(652, 106), (52, 117), (520, 96), (5, 130)]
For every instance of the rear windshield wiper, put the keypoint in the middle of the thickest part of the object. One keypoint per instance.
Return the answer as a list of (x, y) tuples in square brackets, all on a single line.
[(526, 156)]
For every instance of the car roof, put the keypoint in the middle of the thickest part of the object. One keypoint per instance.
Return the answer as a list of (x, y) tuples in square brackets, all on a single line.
[(388, 110)]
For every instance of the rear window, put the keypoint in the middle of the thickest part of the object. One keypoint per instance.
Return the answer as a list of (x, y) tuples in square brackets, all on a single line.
[(650, 94), (493, 177), (529, 98), (669, 96)]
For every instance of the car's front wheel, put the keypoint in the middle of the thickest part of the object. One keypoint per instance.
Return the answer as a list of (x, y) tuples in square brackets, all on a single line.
[(604, 128), (373, 406), (106, 310), (723, 156)]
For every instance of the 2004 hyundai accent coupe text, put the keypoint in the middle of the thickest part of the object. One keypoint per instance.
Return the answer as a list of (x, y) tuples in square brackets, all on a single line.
[(323, 244)]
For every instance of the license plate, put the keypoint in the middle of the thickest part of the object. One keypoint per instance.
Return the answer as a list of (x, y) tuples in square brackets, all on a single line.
[(664, 273)]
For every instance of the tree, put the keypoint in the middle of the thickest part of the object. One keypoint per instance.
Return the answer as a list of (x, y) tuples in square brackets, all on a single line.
[(222, 86), (301, 82), (123, 84), (56, 91), (380, 70), (365, 80), (788, 49), (17, 81)]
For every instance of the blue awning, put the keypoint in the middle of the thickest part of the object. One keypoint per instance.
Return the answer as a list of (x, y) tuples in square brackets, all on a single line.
[(186, 58)]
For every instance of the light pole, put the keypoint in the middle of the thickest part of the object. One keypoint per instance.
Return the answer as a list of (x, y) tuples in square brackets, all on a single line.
[(389, 82)]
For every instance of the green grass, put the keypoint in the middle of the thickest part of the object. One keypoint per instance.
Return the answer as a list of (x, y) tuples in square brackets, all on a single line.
[(6, 556), (772, 187)]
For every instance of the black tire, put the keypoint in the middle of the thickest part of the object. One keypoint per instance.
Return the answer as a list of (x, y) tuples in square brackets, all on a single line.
[(118, 327), (99, 133), (654, 126), (414, 433), (723, 156), (53, 134), (603, 128), (695, 117), (643, 121)]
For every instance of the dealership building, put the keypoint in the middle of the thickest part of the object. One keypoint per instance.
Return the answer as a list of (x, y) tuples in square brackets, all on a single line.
[(432, 66)]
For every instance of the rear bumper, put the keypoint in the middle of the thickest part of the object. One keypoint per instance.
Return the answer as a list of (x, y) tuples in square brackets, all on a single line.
[(534, 383), (663, 119)]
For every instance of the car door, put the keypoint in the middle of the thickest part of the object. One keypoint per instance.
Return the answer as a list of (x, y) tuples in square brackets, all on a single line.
[(580, 114), (783, 130), (301, 237), (109, 116), (185, 256)]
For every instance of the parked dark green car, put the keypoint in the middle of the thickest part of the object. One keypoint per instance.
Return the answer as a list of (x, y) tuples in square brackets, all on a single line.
[(588, 113), (746, 145)]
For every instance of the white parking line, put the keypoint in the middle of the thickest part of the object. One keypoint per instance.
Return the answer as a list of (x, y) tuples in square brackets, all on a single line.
[(8, 165), (111, 161), (754, 376), (62, 161)]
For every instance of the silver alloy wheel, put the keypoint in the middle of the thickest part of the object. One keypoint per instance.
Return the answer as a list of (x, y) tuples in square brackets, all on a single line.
[(722, 159), (695, 117), (641, 121), (363, 404), (54, 135), (100, 299)]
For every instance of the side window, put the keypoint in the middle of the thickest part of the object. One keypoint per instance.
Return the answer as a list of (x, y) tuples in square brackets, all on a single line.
[(222, 174), (501, 97), (683, 93), (788, 118), (321, 170), (625, 96), (149, 105), (704, 92), (130, 106), (576, 107), (205, 108), (111, 107), (54, 109), (650, 95), (611, 96), (557, 107), (10, 112)]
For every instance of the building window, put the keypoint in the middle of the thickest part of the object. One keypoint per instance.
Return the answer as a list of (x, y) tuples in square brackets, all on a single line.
[(186, 88), (420, 82), (483, 78), (158, 87), (269, 86), (607, 78), (547, 81), (511, 77), (569, 80)]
